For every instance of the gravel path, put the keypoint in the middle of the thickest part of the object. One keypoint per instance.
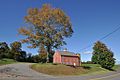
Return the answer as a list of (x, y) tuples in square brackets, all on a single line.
[(20, 71)]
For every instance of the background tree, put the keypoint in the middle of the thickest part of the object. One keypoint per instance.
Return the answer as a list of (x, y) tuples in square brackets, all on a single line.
[(29, 57), (42, 54), (46, 26), (4, 50), (16, 50), (103, 56), (22, 56)]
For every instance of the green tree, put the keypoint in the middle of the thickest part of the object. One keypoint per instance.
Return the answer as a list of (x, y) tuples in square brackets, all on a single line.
[(106, 60), (22, 56), (46, 26), (4, 50), (36, 58), (16, 49), (42, 54), (103, 56), (43, 57), (95, 58), (98, 48), (29, 57)]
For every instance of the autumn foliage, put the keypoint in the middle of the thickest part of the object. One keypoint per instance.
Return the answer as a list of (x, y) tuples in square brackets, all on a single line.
[(46, 26)]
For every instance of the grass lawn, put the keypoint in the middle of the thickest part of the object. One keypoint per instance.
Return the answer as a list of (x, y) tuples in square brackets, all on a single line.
[(58, 70), (6, 61), (61, 70), (116, 67), (96, 69)]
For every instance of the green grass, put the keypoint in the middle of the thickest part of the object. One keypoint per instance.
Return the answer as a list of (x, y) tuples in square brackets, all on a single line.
[(62, 70), (6, 61), (95, 69), (116, 67), (58, 70)]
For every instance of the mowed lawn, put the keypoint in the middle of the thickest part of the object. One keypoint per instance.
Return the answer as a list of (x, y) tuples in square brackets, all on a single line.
[(58, 69), (62, 70), (6, 61)]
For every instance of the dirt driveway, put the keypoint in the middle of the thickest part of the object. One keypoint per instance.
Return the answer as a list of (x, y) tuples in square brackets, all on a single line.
[(20, 71)]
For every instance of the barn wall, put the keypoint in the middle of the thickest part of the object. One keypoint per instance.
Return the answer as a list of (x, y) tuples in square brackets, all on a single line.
[(57, 57), (70, 60)]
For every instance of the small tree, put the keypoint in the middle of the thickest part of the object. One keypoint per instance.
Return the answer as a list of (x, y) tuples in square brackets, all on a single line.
[(4, 50), (22, 56), (16, 49), (29, 57), (36, 58), (103, 56), (42, 54), (43, 57)]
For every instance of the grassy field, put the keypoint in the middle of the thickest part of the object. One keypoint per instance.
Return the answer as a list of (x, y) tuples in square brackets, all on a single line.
[(61, 70), (58, 69), (95, 69), (7, 61), (116, 67)]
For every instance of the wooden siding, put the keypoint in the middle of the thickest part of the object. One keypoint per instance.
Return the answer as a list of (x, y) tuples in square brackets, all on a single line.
[(65, 59), (57, 58), (70, 60)]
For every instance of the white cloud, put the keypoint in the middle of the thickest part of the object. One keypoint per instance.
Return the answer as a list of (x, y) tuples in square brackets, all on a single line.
[(87, 52)]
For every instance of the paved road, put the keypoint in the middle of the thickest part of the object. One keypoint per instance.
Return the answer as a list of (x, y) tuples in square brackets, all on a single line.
[(21, 71)]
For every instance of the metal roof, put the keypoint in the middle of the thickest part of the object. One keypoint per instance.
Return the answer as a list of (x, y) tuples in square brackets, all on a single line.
[(67, 53)]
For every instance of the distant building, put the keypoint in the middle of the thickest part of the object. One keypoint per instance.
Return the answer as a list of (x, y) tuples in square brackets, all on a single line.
[(67, 58)]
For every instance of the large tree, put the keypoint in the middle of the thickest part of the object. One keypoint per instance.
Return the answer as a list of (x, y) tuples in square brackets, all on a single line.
[(103, 56), (46, 26)]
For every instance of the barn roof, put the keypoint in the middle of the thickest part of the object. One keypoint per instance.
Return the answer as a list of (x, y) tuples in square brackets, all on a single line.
[(67, 53)]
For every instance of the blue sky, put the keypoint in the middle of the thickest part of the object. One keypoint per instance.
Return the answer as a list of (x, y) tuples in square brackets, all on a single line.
[(91, 20)]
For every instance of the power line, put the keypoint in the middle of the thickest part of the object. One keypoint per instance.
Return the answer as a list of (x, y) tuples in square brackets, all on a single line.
[(111, 32), (103, 37)]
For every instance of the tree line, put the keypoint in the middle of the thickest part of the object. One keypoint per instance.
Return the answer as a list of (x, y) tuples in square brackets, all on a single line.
[(14, 51)]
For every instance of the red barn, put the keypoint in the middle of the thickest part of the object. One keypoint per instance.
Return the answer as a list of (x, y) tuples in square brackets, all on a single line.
[(68, 58)]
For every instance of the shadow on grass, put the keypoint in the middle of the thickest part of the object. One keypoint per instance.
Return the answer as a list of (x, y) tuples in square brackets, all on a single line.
[(112, 70), (4, 60), (86, 67)]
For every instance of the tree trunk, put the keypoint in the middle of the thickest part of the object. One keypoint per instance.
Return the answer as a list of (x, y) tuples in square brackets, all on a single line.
[(47, 61), (48, 52)]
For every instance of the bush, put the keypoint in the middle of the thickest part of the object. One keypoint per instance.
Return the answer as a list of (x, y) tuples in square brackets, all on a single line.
[(107, 61), (88, 62)]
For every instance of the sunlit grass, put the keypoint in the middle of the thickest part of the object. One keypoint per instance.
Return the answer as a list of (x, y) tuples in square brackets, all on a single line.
[(61, 70), (6, 61)]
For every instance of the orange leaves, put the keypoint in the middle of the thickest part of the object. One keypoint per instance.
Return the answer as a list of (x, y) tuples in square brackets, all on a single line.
[(28, 33), (39, 17), (48, 26), (16, 45), (24, 40), (24, 31), (45, 8), (32, 11)]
